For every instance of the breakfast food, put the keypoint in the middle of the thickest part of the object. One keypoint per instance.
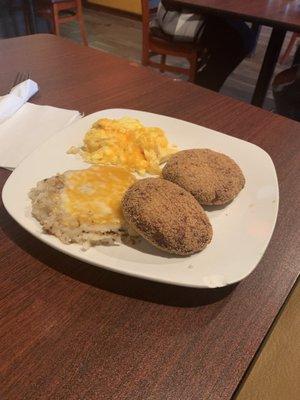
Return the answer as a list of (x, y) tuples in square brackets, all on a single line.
[(211, 177), (105, 202), (82, 206), (167, 216), (127, 143)]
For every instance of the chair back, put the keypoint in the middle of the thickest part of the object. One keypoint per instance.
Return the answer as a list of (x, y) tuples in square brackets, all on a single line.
[(63, 4), (149, 8)]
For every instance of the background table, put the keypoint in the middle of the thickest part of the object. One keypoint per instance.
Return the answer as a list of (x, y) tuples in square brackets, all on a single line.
[(281, 15), (73, 331)]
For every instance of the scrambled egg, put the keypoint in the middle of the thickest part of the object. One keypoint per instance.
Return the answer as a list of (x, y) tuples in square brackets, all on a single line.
[(127, 143), (93, 195)]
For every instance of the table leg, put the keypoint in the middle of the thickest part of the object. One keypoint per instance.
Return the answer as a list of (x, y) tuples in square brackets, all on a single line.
[(268, 66), (255, 28), (32, 19)]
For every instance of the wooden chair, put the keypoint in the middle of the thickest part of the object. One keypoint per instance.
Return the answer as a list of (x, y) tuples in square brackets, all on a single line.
[(62, 11), (156, 42), (289, 48)]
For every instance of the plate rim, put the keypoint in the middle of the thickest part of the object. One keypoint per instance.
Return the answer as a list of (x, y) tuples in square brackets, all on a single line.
[(42, 236)]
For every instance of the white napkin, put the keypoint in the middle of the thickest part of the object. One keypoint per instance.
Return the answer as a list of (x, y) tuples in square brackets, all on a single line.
[(28, 127), (18, 96)]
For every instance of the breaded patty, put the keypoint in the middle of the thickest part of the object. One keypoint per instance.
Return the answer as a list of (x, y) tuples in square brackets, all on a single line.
[(212, 178), (167, 216)]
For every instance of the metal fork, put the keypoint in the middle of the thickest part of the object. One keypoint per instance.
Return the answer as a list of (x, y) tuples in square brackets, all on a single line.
[(21, 77)]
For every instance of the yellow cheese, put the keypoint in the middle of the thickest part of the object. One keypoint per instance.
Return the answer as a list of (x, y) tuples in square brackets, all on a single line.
[(93, 195), (126, 143)]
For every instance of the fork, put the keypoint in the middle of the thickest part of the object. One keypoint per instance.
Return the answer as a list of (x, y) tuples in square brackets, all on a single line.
[(21, 77)]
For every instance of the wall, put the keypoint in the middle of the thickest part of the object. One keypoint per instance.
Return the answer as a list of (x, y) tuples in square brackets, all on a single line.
[(133, 6)]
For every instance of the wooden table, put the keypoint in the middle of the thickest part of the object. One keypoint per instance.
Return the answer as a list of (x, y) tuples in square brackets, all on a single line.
[(73, 331), (281, 15)]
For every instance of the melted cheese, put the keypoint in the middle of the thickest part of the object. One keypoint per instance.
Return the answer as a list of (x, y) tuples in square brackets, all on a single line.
[(127, 143), (93, 195)]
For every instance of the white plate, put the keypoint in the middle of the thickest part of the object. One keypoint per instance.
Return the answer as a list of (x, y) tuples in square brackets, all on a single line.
[(242, 229)]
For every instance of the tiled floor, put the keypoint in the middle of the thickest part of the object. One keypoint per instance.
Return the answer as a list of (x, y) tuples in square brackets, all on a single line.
[(122, 36)]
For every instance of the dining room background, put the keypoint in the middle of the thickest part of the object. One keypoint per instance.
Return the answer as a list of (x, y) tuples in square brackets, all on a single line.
[(114, 26)]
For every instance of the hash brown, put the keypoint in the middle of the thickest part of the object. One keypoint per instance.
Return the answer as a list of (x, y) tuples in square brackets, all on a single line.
[(82, 206)]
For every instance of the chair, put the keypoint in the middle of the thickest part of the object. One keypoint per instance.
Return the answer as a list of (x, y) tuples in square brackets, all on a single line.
[(289, 48), (62, 11), (156, 42)]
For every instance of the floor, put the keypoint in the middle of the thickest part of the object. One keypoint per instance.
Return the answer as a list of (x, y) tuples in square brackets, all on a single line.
[(123, 36), (268, 379)]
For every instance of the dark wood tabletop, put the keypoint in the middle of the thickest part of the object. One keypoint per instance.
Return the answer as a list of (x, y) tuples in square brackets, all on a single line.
[(73, 331), (284, 13)]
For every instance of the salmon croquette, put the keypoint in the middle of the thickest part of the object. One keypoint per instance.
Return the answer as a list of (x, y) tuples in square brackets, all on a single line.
[(212, 178), (167, 216)]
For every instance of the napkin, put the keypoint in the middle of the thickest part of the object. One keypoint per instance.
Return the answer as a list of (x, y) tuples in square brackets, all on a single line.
[(29, 126), (18, 96)]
